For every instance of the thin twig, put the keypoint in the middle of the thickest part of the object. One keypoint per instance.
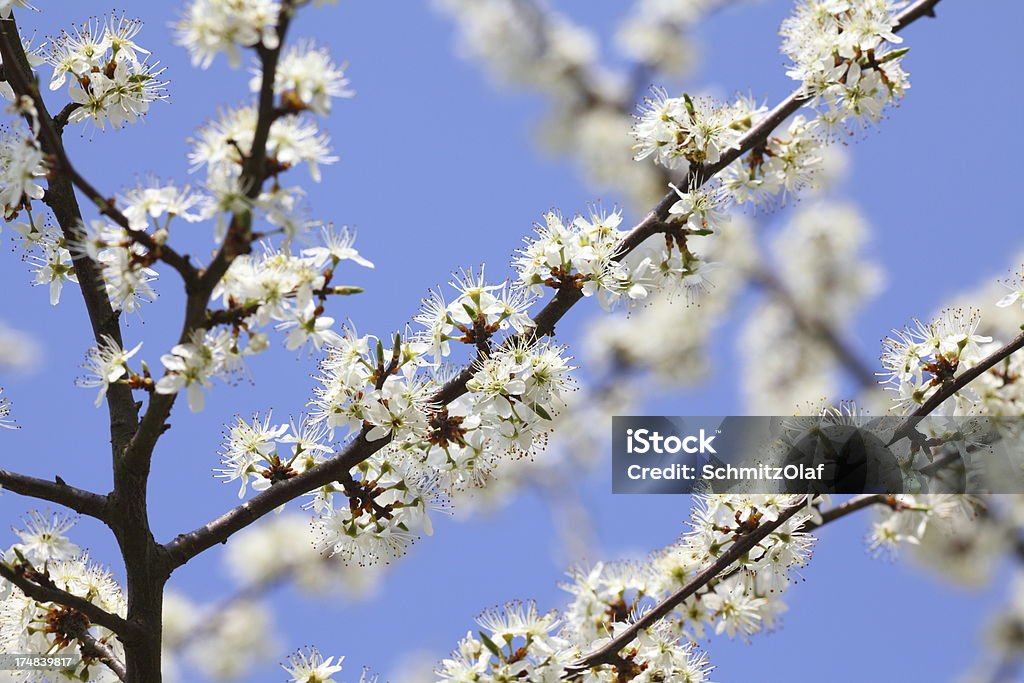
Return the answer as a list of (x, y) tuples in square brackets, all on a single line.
[(57, 491), (91, 647), (60, 196), (237, 241), (60, 119), (740, 547), (608, 653), (848, 507), (49, 134), (949, 388), (50, 593)]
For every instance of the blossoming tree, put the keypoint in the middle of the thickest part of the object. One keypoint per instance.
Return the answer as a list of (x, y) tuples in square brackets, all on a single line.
[(401, 422)]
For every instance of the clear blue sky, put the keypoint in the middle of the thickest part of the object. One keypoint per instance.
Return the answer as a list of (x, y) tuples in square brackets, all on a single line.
[(437, 172)]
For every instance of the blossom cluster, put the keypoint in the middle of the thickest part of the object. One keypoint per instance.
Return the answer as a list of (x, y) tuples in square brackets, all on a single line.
[(22, 169), (914, 520), (274, 287), (208, 354), (682, 131), (108, 74), (307, 78), (841, 51), (432, 450), (263, 452), (520, 642), (384, 393), (517, 642), (47, 255), (94, 59), (586, 255), (210, 27), (841, 55), (309, 666), (920, 359), (580, 254), (28, 625), (124, 262)]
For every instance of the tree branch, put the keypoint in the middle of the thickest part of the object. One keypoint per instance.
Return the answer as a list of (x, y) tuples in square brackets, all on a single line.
[(608, 653), (849, 507), (93, 648), (60, 119), (50, 137), (62, 200), (57, 491), (925, 8), (186, 546), (237, 241), (956, 384), (50, 593)]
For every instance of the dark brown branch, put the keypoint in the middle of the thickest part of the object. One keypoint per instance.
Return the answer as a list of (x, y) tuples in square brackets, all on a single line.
[(106, 207), (740, 547), (188, 545), (237, 241), (848, 507), (92, 648), (50, 593), (949, 388), (83, 502), (60, 196), (60, 120), (926, 8), (146, 560), (608, 653), (49, 136)]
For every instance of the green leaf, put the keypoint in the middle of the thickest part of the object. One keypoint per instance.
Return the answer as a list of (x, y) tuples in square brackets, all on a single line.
[(689, 104), (895, 54), (537, 408), (489, 644)]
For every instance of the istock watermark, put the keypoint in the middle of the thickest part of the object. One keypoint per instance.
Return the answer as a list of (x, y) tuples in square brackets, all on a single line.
[(645, 441), (817, 454)]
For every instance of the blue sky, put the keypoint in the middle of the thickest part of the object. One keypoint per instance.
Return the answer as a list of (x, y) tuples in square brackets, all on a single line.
[(438, 172)]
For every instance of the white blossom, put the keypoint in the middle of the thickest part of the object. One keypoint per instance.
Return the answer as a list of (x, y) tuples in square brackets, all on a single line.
[(308, 78), (209, 27), (106, 363)]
